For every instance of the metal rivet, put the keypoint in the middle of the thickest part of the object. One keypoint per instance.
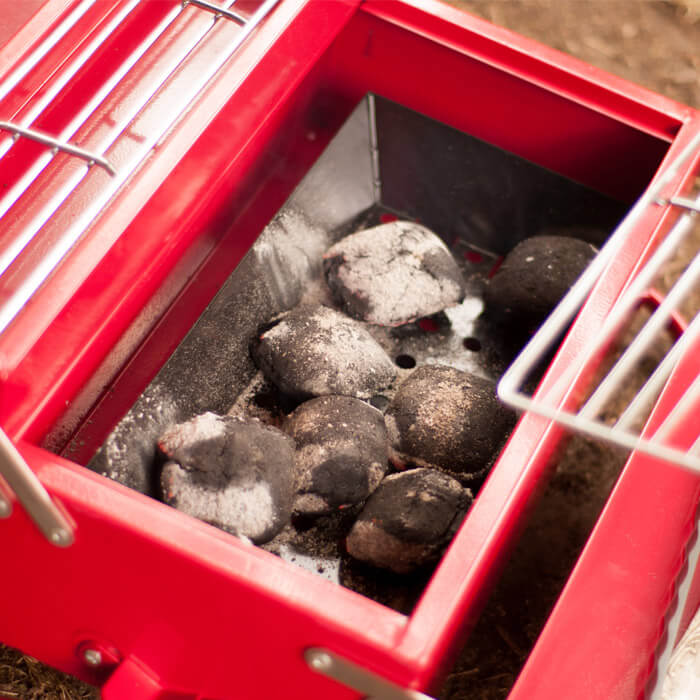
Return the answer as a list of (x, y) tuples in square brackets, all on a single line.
[(321, 661), (59, 537), (92, 657)]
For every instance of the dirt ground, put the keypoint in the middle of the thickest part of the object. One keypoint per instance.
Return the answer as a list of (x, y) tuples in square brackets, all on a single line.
[(654, 44)]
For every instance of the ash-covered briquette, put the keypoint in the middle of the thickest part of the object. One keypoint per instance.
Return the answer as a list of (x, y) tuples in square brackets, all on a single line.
[(236, 475), (316, 351), (409, 520), (448, 419), (341, 452), (393, 273), (535, 275)]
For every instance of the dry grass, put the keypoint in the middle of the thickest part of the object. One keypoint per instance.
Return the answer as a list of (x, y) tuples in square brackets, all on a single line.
[(26, 678)]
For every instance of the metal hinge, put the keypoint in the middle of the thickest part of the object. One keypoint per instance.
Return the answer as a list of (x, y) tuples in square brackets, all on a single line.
[(372, 686), (32, 495)]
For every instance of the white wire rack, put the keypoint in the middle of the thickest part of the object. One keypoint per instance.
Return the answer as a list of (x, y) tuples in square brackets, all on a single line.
[(50, 188), (175, 82), (586, 419)]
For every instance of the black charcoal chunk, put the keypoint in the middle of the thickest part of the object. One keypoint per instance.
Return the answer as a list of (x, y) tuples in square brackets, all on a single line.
[(393, 273), (409, 520), (535, 275), (448, 419), (316, 351), (236, 475), (341, 453)]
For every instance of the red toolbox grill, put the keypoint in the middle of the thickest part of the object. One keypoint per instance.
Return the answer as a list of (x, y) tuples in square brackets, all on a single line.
[(177, 135)]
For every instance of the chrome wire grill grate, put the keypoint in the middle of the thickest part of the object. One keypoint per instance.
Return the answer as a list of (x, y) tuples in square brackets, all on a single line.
[(676, 438), (35, 199), (42, 185)]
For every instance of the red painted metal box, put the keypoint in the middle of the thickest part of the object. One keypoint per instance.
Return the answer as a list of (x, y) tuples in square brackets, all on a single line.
[(181, 133)]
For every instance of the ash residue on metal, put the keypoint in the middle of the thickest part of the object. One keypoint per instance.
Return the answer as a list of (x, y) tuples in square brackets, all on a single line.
[(341, 452), (393, 273), (409, 520), (212, 365), (316, 351), (444, 418), (236, 475), (315, 543)]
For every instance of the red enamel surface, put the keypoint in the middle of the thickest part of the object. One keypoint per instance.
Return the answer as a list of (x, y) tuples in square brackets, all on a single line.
[(158, 253)]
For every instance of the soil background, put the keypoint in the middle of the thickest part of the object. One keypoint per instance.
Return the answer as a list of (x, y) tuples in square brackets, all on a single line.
[(654, 44)]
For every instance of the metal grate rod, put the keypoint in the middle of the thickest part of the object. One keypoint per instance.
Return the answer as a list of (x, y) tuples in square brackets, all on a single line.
[(655, 383), (682, 202), (58, 145), (686, 404), (76, 64), (658, 320), (15, 246), (218, 11), (40, 52)]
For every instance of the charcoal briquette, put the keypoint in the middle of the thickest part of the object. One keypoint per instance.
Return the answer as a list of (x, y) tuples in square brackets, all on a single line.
[(237, 475), (409, 520), (448, 419), (392, 274), (341, 452), (316, 351), (535, 275)]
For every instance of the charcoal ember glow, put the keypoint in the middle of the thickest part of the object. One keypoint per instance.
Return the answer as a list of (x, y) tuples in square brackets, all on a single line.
[(409, 520), (233, 474), (448, 419), (316, 351), (393, 273), (535, 275), (341, 452)]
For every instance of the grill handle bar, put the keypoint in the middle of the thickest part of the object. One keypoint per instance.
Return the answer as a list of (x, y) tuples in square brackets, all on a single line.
[(58, 145), (372, 686), (32, 495)]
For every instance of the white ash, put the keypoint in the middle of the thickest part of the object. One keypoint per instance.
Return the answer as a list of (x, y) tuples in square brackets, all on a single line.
[(409, 520), (128, 453), (393, 273), (326, 566), (237, 475), (316, 351), (341, 452), (463, 317), (244, 510), (290, 251), (200, 429)]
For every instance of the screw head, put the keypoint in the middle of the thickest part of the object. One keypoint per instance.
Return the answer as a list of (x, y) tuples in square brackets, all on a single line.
[(92, 657)]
